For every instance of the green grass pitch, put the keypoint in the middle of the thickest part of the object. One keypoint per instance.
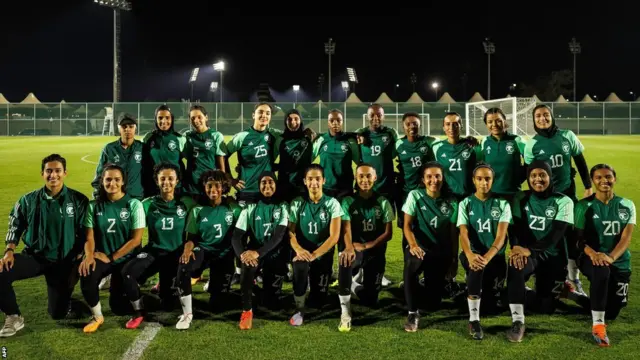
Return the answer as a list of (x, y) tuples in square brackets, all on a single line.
[(376, 334)]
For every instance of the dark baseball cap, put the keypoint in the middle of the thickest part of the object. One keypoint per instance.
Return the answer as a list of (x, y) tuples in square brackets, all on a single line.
[(127, 119)]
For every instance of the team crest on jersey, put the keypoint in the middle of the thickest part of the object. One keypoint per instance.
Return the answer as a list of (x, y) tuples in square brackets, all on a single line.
[(124, 214), (444, 209), (296, 154), (550, 212), (466, 154), (266, 138), (495, 213), (623, 214), (116, 159), (323, 216), (172, 145), (510, 148), (70, 211), (565, 147), (344, 147), (303, 143), (229, 218), (208, 144), (385, 139), (423, 150), (181, 212), (378, 212), (276, 214), (137, 156), (325, 147)]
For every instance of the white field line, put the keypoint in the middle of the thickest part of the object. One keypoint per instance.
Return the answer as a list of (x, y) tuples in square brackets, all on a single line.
[(134, 352), (84, 158)]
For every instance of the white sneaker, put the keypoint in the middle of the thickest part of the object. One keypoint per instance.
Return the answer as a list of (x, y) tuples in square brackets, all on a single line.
[(105, 283), (184, 322), (345, 323), (12, 324), (205, 287), (386, 282)]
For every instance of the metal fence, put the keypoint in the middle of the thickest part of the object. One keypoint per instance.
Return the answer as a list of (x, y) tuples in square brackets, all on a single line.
[(81, 119)]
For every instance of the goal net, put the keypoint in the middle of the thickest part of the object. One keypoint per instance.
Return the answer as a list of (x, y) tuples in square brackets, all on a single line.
[(395, 120), (518, 111)]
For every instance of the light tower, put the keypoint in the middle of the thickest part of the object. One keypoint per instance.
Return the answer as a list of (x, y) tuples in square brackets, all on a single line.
[(330, 49), (116, 5), (353, 77), (220, 66), (489, 49), (575, 49)]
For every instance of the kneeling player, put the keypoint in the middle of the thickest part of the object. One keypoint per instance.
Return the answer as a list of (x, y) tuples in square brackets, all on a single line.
[(166, 217), (208, 243), (541, 217), (265, 223), (483, 219), (115, 222), (431, 233), (314, 228), (604, 224), (366, 227), (52, 243)]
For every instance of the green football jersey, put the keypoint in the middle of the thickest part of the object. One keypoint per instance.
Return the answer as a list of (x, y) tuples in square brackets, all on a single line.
[(603, 224), (433, 219), (411, 157), (296, 154), (51, 227), (201, 151), (538, 215), (213, 226), (458, 161), (368, 217), (505, 157), (337, 153), (256, 154), (113, 222), (482, 219), (166, 221), (313, 220), (379, 153), (130, 159), (259, 220), (556, 151)]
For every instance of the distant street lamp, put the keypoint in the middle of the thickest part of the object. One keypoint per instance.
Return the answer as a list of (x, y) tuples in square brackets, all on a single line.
[(330, 49), (575, 49), (489, 49), (345, 87), (435, 86), (212, 89), (192, 80), (296, 88), (220, 66)]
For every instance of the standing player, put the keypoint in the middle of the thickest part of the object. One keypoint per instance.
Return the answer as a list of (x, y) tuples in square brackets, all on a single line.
[(557, 147), (164, 144), (125, 152), (604, 224), (166, 216), (49, 222), (541, 217), (204, 149), (314, 229), (265, 224), (503, 151), (208, 244), (431, 233), (337, 151), (483, 219), (114, 222), (296, 154)]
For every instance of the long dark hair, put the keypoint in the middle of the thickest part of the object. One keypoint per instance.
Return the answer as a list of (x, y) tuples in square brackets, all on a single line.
[(102, 194)]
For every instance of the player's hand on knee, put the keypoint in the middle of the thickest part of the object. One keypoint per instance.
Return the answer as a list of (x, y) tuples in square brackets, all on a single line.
[(6, 263), (87, 265), (417, 251), (347, 256), (303, 255)]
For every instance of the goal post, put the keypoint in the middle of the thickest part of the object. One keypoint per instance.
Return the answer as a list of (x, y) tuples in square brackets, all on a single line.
[(395, 120), (517, 110)]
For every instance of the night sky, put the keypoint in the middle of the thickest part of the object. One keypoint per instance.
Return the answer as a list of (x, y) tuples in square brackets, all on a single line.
[(65, 52)]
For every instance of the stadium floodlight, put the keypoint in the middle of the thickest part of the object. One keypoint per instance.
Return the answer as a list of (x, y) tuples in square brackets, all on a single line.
[(575, 49), (345, 87), (213, 87), (296, 88), (192, 80), (435, 87), (117, 6), (353, 77), (489, 49), (330, 49), (220, 67)]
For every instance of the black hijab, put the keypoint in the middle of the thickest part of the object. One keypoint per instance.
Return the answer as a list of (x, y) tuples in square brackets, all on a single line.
[(288, 134), (164, 107), (540, 164), (549, 132), (272, 175)]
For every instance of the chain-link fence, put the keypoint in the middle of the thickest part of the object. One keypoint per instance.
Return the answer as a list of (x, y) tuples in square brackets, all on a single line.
[(80, 119)]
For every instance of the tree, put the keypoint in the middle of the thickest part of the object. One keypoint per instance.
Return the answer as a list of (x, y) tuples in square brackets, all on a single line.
[(551, 86)]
